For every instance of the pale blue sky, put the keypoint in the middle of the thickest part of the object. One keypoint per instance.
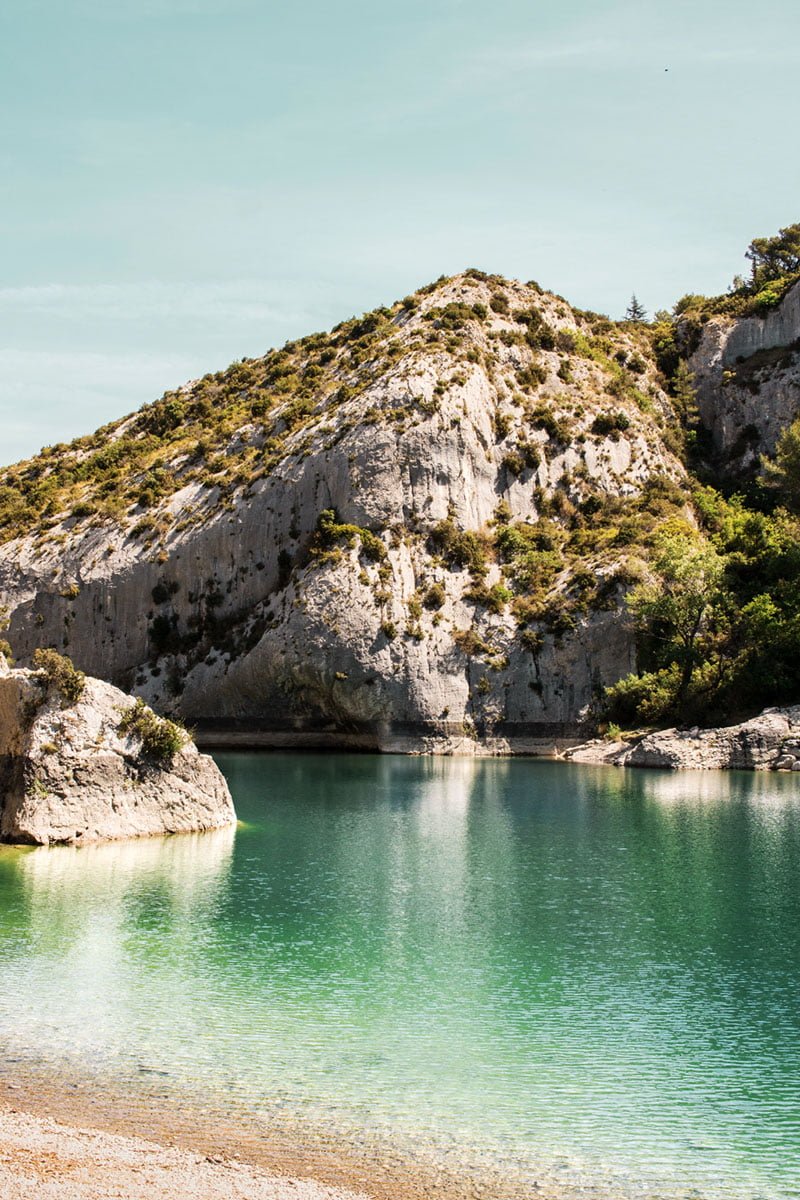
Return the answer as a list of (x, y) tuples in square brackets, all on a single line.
[(184, 182)]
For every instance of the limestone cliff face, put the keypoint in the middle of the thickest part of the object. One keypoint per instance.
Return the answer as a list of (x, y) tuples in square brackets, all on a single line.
[(747, 375), (480, 403), (70, 775)]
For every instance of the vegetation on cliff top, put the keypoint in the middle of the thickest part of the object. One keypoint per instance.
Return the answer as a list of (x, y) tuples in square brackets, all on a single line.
[(215, 438), (774, 269)]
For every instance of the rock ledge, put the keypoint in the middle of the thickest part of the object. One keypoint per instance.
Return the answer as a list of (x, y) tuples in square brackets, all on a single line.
[(768, 742)]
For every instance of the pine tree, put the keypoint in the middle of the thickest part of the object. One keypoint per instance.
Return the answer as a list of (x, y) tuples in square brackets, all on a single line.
[(635, 311)]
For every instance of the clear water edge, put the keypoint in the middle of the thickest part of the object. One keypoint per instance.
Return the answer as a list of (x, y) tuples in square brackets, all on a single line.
[(577, 975)]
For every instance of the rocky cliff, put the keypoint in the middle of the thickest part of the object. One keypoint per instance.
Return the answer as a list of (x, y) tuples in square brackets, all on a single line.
[(414, 532), (747, 375), (89, 769)]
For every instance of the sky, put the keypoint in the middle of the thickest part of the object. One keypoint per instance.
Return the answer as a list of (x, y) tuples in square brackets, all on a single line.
[(187, 182)]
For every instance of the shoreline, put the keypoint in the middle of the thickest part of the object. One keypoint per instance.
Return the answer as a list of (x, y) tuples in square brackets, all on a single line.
[(49, 1159), (79, 1140), (769, 741)]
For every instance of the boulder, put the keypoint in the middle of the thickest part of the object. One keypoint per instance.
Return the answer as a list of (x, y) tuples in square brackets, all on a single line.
[(91, 769)]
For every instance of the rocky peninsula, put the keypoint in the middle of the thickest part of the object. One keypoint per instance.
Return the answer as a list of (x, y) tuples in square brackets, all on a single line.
[(81, 762)]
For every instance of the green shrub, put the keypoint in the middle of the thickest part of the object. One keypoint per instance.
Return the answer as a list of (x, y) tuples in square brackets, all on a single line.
[(470, 643), (558, 429), (649, 698), (330, 533), (495, 598), (435, 596), (532, 376), (161, 739), (610, 422), (164, 590), (532, 640), (513, 462), (458, 547), (502, 422), (59, 672)]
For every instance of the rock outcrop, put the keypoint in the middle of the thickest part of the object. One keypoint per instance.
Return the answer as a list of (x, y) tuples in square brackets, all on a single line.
[(747, 376), (70, 772), (768, 742), (480, 403), (413, 533)]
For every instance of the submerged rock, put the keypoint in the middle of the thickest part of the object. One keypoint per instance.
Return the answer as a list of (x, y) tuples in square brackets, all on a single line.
[(98, 767)]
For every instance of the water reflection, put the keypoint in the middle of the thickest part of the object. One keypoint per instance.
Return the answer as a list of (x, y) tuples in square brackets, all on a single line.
[(86, 924), (188, 867), (532, 957)]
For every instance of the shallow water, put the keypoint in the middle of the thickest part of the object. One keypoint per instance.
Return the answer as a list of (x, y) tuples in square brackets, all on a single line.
[(581, 975)]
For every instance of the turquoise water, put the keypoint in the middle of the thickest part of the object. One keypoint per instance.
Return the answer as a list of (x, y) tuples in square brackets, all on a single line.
[(584, 975)]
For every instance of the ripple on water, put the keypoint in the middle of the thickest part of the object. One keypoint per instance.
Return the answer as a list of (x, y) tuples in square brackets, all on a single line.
[(584, 977)]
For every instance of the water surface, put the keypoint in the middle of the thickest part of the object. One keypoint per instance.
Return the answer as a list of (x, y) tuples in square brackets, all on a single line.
[(577, 974)]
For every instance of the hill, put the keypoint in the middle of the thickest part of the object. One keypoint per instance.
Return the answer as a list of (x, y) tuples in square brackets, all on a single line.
[(416, 531)]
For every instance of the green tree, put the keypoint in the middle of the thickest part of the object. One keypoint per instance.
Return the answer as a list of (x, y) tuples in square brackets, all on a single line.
[(770, 258), (783, 472), (674, 604), (675, 610), (635, 310)]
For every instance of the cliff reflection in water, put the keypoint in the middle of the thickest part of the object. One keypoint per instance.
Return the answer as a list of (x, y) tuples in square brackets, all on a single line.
[(83, 927)]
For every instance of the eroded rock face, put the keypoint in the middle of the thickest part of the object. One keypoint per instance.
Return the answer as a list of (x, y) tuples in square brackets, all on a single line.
[(770, 741), (225, 617), (68, 774), (747, 376), (192, 578)]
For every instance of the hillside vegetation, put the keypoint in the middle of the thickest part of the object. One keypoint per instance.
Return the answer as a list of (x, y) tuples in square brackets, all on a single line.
[(444, 499), (227, 430)]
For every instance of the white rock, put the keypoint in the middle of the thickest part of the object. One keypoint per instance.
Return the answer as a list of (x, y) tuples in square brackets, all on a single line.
[(755, 744), (747, 376), (67, 774)]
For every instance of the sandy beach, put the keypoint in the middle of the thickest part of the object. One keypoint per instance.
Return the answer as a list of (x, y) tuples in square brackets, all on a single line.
[(42, 1159), (81, 1142)]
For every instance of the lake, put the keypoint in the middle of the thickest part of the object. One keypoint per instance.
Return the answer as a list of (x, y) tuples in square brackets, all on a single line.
[(584, 977)]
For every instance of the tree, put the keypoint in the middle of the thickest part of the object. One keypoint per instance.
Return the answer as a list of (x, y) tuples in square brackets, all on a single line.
[(784, 470), (674, 604), (770, 258), (674, 610), (635, 311)]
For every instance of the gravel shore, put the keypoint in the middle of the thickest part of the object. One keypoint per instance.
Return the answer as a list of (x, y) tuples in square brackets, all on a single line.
[(41, 1159)]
